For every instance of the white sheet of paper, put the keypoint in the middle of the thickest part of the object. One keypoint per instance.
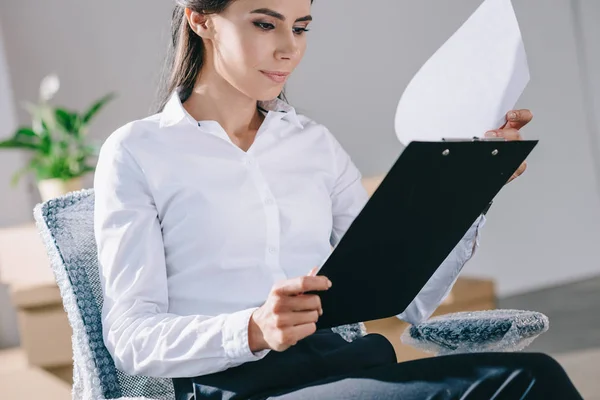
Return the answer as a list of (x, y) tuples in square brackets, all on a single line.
[(467, 87)]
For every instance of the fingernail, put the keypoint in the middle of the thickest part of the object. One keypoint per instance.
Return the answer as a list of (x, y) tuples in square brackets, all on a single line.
[(512, 116), (329, 283), (491, 134), (320, 312)]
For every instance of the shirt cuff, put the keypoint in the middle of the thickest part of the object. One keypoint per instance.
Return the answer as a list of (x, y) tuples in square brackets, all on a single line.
[(480, 225), (438, 287), (235, 338)]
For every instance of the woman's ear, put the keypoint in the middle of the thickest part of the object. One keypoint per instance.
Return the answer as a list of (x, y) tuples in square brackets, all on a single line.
[(200, 23)]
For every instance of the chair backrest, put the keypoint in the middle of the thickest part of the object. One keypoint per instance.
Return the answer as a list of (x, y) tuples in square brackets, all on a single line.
[(66, 225), (67, 229)]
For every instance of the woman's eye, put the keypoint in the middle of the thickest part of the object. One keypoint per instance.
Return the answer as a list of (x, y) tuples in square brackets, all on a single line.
[(264, 26), (300, 31)]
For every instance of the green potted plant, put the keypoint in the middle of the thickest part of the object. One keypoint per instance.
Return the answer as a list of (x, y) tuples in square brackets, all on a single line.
[(57, 141)]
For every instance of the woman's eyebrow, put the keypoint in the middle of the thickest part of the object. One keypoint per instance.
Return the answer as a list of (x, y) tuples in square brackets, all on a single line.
[(277, 15)]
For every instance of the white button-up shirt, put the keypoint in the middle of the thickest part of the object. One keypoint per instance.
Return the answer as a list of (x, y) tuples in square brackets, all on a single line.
[(193, 232)]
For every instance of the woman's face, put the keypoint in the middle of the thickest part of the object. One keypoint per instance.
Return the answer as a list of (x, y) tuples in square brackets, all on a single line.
[(256, 44)]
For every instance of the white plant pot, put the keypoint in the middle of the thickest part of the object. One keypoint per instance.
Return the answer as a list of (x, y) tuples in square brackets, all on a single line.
[(52, 188)]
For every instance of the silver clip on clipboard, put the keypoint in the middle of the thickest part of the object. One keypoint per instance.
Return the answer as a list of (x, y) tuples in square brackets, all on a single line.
[(475, 139)]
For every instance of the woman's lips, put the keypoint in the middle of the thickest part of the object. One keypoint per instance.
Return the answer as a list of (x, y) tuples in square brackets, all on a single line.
[(275, 76)]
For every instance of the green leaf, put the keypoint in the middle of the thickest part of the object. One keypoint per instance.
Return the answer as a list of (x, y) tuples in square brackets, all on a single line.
[(25, 132), (46, 144), (16, 144), (58, 140), (24, 138), (89, 114), (68, 121), (28, 136)]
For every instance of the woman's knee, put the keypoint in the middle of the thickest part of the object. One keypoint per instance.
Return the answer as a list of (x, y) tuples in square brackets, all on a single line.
[(540, 365), (386, 352)]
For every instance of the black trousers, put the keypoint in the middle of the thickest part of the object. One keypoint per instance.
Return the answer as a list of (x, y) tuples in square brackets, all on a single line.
[(325, 366)]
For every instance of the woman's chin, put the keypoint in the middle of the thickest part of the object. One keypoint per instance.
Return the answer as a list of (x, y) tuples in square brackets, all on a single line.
[(269, 94)]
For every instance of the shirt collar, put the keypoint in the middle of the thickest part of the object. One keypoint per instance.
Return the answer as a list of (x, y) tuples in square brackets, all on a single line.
[(174, 112)]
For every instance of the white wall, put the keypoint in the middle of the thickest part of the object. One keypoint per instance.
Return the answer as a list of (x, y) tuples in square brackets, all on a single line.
[(587, 28), (95, 47), (13, 201), (543, 228)]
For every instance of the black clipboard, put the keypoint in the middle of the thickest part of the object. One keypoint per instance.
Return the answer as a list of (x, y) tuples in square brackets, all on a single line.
[(421, 210)]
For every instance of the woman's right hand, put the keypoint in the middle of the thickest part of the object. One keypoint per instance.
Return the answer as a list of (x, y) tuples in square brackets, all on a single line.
[(288, 315)]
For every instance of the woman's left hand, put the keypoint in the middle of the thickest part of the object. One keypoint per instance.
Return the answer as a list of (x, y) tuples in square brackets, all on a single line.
[(515, 120)]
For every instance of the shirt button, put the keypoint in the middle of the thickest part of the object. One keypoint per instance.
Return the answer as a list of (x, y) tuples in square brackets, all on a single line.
[(272, 250), (269, 202)]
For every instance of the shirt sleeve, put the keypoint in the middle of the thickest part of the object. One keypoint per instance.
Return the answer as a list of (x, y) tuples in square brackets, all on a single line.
[(139, 332), (349, 198), (440, 284)]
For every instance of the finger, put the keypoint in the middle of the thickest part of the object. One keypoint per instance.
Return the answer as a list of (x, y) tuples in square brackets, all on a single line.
[(521, 169), (509, 134), (518, 172), (298, 303), (517, 119), (292, 287), (297, 318), (299, 332), (310, 302), (313, 272)]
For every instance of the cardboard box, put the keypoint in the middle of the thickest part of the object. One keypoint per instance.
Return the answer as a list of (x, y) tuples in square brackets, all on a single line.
[(23, 258), (33, 383), (371, 183), (19, 381), (25, 269), (44, 329), (64, 373), (12, 359)]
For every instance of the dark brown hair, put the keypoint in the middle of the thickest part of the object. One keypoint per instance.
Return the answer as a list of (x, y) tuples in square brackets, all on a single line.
[(186, 50)]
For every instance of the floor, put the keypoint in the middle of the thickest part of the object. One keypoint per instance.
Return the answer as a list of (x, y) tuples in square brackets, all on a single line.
[(583, 368), (574, 334)]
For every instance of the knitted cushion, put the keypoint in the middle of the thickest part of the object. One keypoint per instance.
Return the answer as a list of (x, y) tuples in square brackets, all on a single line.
[(470, 332), (66, 227)]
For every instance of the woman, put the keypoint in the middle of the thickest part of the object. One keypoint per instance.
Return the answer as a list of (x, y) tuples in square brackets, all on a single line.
[(210, 214)]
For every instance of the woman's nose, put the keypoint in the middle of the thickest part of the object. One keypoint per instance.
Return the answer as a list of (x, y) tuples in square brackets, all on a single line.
[(288, 47)]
